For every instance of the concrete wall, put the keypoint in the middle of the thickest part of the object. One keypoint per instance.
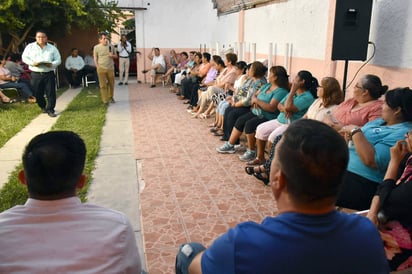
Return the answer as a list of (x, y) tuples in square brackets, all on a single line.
[(300, 31)]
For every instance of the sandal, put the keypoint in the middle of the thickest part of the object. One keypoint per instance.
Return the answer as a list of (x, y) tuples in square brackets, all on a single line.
[(259, 176), (255, 162), (250, 170), (219, 132), (204, 116)]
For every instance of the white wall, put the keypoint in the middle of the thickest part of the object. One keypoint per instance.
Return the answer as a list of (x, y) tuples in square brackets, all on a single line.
[(301, 23), (176, 24), (390, 31), (306, 25)]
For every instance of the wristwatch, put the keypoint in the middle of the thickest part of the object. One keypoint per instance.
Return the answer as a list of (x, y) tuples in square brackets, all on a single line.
[(354, 131)]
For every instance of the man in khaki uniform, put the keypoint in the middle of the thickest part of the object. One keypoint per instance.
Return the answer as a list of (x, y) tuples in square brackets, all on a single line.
[(103, 54)]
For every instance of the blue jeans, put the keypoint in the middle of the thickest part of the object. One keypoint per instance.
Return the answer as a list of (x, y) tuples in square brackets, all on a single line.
[(22, 86), (185, 256)]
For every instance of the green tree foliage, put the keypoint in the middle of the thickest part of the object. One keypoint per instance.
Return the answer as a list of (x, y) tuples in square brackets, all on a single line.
[(20, 18)]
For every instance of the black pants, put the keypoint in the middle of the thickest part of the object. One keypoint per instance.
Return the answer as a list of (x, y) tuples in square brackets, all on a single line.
[(356, 192), (44, 83), (230, 117), (74, 78), (249, 122), (194, 96), (186, 86)]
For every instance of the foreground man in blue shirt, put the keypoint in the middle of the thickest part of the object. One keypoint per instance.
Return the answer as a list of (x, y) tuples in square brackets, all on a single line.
[(308, 235)]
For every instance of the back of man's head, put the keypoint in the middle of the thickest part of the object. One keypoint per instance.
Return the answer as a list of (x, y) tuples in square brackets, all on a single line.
[(313, 157), (53, 164)]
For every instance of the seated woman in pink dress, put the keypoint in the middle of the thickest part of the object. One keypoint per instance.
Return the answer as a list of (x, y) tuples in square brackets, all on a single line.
[(363, 107)]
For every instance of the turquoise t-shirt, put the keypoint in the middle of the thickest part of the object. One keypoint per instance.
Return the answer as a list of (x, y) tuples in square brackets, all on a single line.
[(302, 102), (382, 138), (278, 94)]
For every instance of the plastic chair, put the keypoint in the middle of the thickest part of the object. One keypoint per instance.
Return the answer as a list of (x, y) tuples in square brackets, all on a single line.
[(88, 79)]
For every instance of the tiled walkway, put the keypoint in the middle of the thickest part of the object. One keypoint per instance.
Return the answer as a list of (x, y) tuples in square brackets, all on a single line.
[(191, 192)]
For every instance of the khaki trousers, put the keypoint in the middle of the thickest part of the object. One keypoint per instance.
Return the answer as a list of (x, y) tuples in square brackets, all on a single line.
[(106, 81), (124, 64)]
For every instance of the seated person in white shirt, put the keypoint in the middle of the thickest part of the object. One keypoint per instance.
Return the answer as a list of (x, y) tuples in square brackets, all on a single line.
[(54, 232), (158, 65), (74, 68)]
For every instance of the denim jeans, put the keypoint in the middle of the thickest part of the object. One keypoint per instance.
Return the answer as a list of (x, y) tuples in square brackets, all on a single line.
[(185, 256)]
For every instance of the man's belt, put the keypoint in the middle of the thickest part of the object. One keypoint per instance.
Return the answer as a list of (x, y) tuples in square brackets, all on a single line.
[(41, 73), (124, 56)]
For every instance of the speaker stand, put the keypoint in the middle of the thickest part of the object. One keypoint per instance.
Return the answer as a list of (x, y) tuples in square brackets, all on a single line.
[(345, 75)]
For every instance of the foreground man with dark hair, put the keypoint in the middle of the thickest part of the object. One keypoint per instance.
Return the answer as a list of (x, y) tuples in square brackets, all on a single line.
[(308, 235), (53, 232)]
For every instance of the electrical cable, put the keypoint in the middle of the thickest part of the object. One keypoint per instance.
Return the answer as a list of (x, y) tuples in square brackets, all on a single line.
[(364, 64)]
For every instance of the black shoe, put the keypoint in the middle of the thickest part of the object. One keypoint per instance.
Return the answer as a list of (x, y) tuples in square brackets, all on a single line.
[(111, 100), (43, 110), (153, 86), (139, 82), (120, 83), (51, 114), (126, 83)]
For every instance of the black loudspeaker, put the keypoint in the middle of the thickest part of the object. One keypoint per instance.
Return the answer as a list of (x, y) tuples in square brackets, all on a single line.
[(351, 30)]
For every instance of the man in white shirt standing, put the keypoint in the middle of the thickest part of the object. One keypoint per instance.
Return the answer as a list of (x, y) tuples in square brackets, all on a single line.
[(124, 49), (54, 232), (74, 68), (42, 59), (158, 65)]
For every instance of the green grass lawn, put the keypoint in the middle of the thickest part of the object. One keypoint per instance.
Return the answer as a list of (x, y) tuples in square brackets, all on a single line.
[(14, 117), (85, 115)]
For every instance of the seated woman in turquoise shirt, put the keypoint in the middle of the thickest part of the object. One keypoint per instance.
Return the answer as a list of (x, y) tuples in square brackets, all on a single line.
[(264, 108), (369, 149), (292, 107)]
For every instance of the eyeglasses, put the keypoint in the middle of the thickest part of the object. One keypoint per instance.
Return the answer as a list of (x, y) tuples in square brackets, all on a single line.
[(409, 133)]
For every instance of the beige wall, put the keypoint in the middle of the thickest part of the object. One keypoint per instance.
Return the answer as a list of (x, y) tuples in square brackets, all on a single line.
[(81, 39)]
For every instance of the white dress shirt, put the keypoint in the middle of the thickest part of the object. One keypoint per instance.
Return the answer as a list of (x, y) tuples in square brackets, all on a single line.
[(66, 236), (33, 53), (74, 63), (124, 51)]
